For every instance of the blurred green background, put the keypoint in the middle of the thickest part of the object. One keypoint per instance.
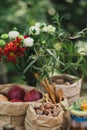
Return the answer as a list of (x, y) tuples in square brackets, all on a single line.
[(73, 13), (21, 13)]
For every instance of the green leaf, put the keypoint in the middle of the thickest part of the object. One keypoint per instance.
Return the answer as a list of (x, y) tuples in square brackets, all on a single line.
[(20, 36), (30, 64), (4, 36), (2, 42), (14, 29), (78, 62), (51, 53), (37, 68)]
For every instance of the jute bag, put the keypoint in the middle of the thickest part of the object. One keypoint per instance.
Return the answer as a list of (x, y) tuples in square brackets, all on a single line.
[(72, 90), (42, 122), (14, 113)]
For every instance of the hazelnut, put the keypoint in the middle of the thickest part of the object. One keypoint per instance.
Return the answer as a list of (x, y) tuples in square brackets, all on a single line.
[(47, 105), (47, 112), (60, 81), (50, 109), (54, 107), (42, 107)]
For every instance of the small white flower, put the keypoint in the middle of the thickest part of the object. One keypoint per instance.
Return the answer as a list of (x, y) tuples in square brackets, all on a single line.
[(13, 34), (45, 29), (38, 24), (34, 30), (82, 51), (43, 24), (81, 47), (50, 29), (28, 42)]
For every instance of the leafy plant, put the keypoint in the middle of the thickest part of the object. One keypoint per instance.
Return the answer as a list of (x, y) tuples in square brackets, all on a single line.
[(32, 53), (45, 49), (73, 52)]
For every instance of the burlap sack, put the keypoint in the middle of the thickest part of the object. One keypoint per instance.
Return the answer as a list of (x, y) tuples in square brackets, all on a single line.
[(14, 113), (71, 91), (42, 122)]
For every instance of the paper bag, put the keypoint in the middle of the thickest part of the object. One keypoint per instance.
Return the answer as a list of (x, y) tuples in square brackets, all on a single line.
[(14, 113), (72, 90), (42, 122)]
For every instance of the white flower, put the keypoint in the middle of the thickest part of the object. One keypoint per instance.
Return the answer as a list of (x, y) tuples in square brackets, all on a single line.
[(43, 24), (50, 29), (40, 25), (34, 30), (45, 29), (81, 44), (13, 34), (81, 47), (82, 51), (28, 42)]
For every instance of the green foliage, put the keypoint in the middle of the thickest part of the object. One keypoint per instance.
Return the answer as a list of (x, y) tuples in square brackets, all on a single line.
[(72, 54), (72, 14), (2, 42), (34, 53), (4, 36), (18, 13), (74, 62), (24, 13)]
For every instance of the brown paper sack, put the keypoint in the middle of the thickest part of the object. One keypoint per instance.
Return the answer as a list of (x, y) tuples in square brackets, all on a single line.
[(66, 116), (42, 122), (72, 90), (14, 113)]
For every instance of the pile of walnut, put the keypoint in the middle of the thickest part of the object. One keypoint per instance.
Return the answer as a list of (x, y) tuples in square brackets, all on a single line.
[(48, 109)]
